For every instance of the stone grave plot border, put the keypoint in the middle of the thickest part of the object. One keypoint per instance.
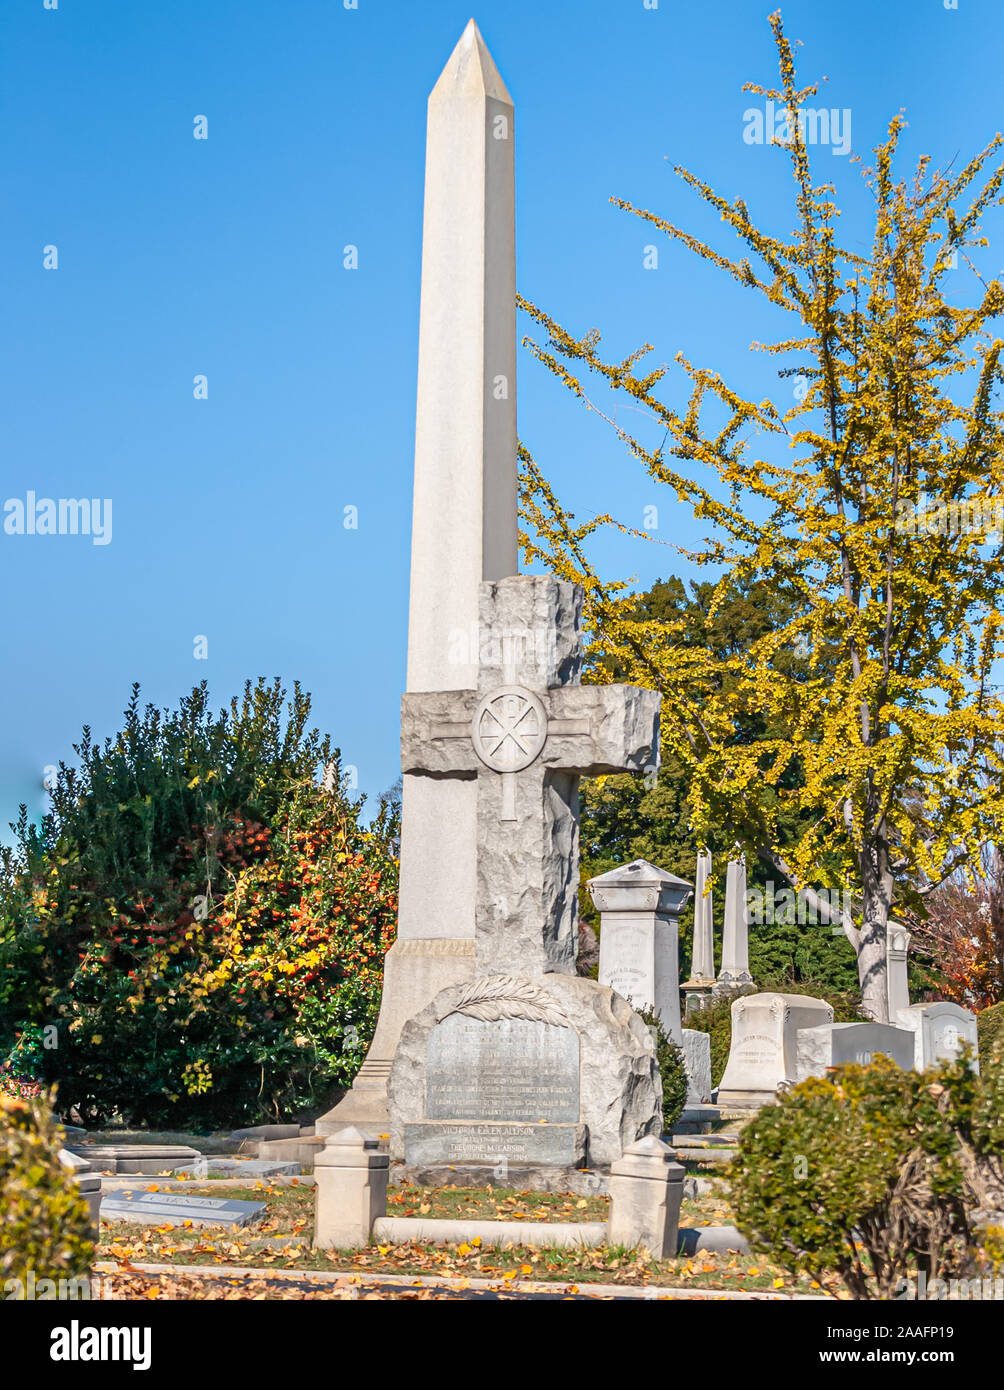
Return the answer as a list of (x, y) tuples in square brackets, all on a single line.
[(350, 1204)]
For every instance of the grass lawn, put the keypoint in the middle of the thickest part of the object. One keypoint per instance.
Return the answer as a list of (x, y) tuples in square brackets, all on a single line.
[(288, 1229)]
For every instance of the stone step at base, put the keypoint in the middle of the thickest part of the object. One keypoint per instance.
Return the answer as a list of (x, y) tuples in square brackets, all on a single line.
[(697, 1119), (404, 1229)]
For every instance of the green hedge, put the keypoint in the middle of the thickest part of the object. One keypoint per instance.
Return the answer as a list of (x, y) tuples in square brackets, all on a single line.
[(45, 1227), (873, 1174), (716, 1019), (673, 1071), (990, 1027)]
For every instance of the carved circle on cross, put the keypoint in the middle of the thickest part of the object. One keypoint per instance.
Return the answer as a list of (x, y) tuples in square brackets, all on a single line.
[(509, 728)]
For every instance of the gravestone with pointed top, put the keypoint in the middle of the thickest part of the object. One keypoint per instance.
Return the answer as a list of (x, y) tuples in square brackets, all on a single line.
[(463, 525), (698, 989), (639, 906), (734, 976), (646, 1190)]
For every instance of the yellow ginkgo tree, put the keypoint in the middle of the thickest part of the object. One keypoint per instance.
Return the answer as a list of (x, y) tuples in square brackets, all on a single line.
[(871, 505)]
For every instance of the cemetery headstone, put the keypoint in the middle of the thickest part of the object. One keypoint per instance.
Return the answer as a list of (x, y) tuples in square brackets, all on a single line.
[(697, 1059), (512, 1072), (88, 1184), (833, 1044), (136, 1159), (940, 1030), (897, 966), (254, 1169), (764, 1055), (646, 1190), (639, 906)]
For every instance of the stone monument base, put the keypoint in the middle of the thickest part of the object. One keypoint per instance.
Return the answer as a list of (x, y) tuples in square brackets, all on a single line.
[(731, 988), (466, 1141), (697, 1119), (733, 1104), (697, 995), (518, 1177)]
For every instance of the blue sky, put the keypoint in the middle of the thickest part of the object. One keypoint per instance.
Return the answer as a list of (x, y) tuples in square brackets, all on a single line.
[(223, 257)]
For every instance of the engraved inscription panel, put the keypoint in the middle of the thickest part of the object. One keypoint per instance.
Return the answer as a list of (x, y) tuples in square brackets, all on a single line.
[(444, 1142), (512, 1070)]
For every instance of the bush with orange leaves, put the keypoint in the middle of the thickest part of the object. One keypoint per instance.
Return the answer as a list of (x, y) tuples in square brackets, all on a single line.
[(194, 937)]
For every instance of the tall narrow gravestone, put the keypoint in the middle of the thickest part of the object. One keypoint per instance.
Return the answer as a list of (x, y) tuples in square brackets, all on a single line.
[(463, 526), (639, 906), (897, 952), (514, 1059), (734, 977), (699, 988)]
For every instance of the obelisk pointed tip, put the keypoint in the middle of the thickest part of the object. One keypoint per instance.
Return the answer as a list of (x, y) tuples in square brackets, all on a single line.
[(471, 68)]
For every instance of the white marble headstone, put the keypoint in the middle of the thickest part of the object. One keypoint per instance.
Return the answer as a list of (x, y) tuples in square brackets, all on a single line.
[(940, 1030), (763, 1055)]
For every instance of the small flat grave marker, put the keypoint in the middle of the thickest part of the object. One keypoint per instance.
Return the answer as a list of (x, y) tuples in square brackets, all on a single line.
[(174, 1209), (254, 1169)]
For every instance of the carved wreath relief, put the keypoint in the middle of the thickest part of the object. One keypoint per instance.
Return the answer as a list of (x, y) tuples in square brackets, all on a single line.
[(503, 996)]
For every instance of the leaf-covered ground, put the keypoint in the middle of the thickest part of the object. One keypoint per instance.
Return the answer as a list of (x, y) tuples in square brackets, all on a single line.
[(283, 1241)]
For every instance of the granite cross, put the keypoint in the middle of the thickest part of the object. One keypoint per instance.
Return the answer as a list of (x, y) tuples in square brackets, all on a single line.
[(527, 733)]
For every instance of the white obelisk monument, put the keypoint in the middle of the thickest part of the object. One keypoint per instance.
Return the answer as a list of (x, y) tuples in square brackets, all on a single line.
[(734, 976), (463, 525), (702, 966)]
